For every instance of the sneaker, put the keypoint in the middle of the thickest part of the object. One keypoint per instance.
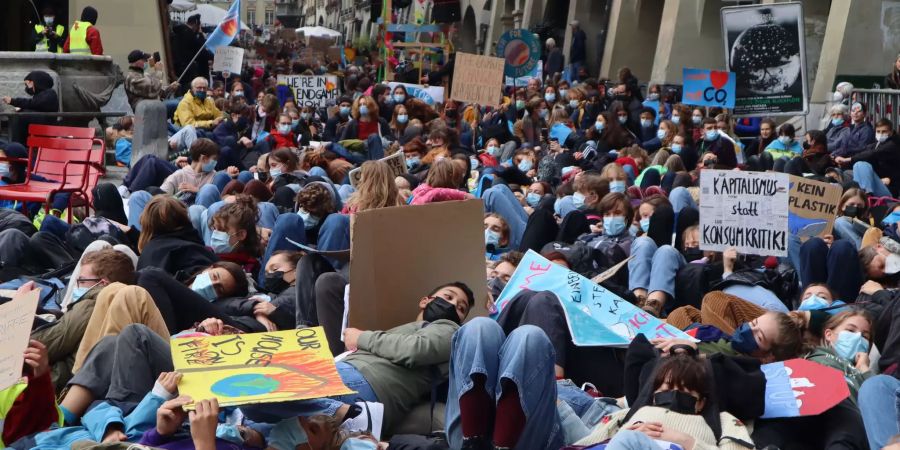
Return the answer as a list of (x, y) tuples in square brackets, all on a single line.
[(369, 417), (123, 191)]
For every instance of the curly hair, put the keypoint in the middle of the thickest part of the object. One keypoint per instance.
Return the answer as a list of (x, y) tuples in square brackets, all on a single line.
[(243, 214), (316, 199)]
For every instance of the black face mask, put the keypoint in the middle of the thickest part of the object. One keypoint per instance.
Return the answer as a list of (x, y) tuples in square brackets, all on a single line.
[(438, 309), (275, 283), (805, 145), (496, 286), (851, 211), (29, 90), (676, 401), (692, 254)]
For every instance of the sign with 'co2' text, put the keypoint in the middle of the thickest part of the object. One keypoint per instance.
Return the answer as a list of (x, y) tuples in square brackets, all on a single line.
[(704, 87)]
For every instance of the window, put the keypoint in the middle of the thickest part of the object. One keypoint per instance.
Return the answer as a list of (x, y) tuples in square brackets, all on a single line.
[(251, 16), (270, 17)]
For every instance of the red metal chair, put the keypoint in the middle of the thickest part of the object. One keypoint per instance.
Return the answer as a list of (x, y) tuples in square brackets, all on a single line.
[(69, 156)]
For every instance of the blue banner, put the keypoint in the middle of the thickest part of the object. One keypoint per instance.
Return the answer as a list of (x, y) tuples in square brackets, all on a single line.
[(704, 87), (596, 317)]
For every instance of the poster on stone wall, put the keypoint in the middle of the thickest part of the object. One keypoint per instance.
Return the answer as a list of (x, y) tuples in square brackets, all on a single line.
[(765, 48)]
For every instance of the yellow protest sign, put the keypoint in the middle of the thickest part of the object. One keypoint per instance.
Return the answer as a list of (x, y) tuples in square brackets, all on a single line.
[(240, 369)]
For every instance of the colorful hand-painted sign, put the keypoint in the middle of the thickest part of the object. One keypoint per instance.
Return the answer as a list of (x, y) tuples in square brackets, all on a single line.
[(798, 387), (521, 50), (704, 87), (240, 369), (596, 317)]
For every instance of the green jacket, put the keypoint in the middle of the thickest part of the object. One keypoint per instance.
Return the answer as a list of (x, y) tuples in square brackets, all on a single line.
[(721, 346), (401, 364), (827, 357)]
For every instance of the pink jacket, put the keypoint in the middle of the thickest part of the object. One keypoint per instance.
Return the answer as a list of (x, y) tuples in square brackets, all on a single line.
[(424, 194)]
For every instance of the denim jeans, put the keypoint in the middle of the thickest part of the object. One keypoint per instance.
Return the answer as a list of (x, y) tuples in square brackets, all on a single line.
[(334, 234), (653, 268), (844, 229), (589, 409), (501, 200), (276, 412), (208, 194), (136, 203), (868, 180), (879, 403), (680, 197), (631, 440), (183, 138), (525, 358)]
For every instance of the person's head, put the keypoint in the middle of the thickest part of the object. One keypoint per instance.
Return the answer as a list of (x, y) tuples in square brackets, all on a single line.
[(282, 161), (815, 139), (399, 94), (550, 94), (697, 117), (314, 202), (345, 106), (496, 231), (441, 138), (680, 384), (839, 114), (451, 301), (199, 86), (589, 188), (376, 188), (617, 213), (648, 117), (492, 147), (268, 106), (550, 43), (138, 59), (616, 176), (237, 90), (767, 128), (674, 164), (819, 291), (89, 14), (678, 143), (442, 175), (218, 89), (849, 333), (220, 280), (710, 129), (773, 336), (365, 109), (533, 85), (858, 112), (102, 268), (400, 118), (506, 266), (666, 132), (647, 208), (49, 15), (786, 133), (524, 159), (193, 22), (574, 24), (873, 262), (414, 150), (884, 129), (233, 227), (854, 203), (281, 270), (381, 92), (163, 214), (285, 123)]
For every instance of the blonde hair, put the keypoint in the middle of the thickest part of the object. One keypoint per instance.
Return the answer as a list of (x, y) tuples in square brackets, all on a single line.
[(608, 170), (376, 188), (442, 175)]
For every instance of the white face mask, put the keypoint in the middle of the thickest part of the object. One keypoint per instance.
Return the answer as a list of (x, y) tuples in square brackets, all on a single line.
[(881, 137)]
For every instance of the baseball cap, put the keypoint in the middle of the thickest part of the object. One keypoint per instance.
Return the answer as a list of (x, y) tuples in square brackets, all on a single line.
[(136, 55)]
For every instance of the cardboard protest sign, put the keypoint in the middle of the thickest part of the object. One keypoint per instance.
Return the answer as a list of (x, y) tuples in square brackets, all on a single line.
[(744, 210), (477, 79), (798, 387), (430, 94), (398, 255), (397, 162), (813, 207), (316, 91), (334, 53), (268, 367), (765, 47), (704, 87), (228, 59), (521, 51), (319, 43), (596, 316), (16, 319), (287, 34)]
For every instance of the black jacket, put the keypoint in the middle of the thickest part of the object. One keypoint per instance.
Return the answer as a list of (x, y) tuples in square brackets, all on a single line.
[(885, 159), (179, 251), (44, 98)]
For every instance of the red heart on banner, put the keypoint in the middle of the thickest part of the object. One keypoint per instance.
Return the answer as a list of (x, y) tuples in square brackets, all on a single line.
[(718, 79)]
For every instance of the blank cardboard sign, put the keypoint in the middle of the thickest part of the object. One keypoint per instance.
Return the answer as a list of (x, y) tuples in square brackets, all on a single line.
[(398, 255), (16, 319)]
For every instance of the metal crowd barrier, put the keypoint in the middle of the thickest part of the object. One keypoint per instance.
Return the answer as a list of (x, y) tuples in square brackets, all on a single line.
[(882, 103)]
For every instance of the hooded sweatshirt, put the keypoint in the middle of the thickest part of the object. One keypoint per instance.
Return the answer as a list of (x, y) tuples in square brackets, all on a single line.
[(44, 98)]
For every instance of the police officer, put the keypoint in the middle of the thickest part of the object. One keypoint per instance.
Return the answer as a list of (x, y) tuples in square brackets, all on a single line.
[(49, 36)]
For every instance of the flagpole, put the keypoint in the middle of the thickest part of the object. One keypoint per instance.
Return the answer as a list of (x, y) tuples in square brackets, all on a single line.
[(191, 63)]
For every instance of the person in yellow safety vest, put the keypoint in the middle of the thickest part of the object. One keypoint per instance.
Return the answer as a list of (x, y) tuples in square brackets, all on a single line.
[(84, 38), (49, 36)]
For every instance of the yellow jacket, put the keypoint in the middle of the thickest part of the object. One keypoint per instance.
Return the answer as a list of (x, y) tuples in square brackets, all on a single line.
[(190, 111)]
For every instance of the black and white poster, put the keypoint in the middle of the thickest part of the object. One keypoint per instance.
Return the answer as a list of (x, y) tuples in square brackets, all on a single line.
[(764, 47)]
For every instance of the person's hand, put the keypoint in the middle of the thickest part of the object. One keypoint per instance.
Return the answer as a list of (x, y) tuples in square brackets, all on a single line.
[(651, 429), (232, 171), (218, 120), (862, 362), (263, 308), (187, 187), (212, 326), (829, 239), (886, 181), (670, 434), (246, 142), (36, 357), (578, 155), (531, 173), (870, 287), (351, 338), (596, 229), (204, 419), (263, 319), (26, 288), (7, 99), (114, 433), (181, 161), (124, 228), (665, 344), (264, 235), (729, 257), (841, 160), (170, 415), (169, 381), (174, 85)]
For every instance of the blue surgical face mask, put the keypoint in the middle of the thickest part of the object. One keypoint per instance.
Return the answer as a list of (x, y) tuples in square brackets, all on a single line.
[(676, 148), (412, 162), (544, 114), (358, 444), (4, 169), (617, 186), (287, 434), (491, 150), (550, 98), (646, 123), (697, 119), (711, 135), (220, 242), (786, 140), (473, 162), (209, 166), (229, 433), (645, 225), (573, 104), (525, 165), (520, 104), (402, 118), (813, 302), (284, 129), (623, 119), (345, 111), (598, 125), (399, 98), (203, 285), (238, 94), (660, 134), (563, 92), (613, 225), (78, 291), (363, 110), (304, 115), (199, 95), (837, 122), (295, 122), (275, 172), (491, 238), (309, 221), (848, 344), (676, 119), (578, 200), (743, 341), (533, 198)]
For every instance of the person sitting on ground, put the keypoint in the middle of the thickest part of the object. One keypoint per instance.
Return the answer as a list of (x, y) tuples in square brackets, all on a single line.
[(201, 170)]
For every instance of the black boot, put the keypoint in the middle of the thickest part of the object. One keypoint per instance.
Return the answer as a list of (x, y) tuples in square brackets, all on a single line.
[(476, 443)]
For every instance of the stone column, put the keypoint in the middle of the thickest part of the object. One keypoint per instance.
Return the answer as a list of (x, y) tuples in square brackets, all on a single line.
[(150, 131)]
